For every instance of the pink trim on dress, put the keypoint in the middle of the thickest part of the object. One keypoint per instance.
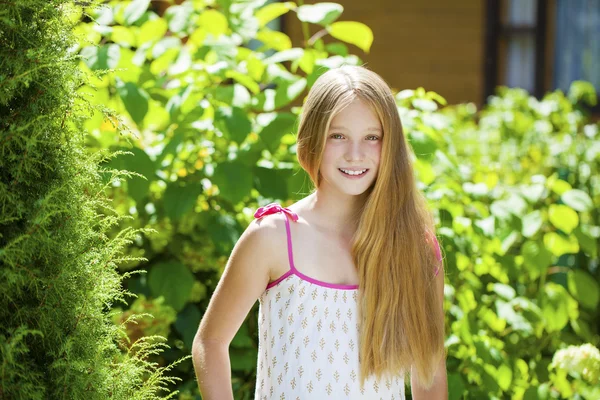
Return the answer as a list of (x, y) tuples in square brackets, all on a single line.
[(273, 208), (438, 254)]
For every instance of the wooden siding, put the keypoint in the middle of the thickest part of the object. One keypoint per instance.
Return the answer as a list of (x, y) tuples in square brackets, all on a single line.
[(435, 44)]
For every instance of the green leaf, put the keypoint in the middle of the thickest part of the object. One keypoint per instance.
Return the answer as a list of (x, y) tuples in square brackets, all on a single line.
[(425, 105), (180, 198), (337, 48), (504, 377), (424, 146), (285, 55), (582, 91), (242, 338), (234, 180), (127, 70), (536, 258), (178, 17), (578, 200), (584, 288), (425, 171), (502, 290), (557, 306), (456, 387), (172, 280), (152, 30), (135, 100), (139, 162), (233, 122), (244, 79), (224, 231), (272, 133), (355, 33), (274, 40), (213, 22), (123, 36), (271, 182), (587, 241), (532, 223), (563, 217), (103, 57), (187, 324), (320, 13), (273, 10), (286, 92), (135, 10), (559, 245)]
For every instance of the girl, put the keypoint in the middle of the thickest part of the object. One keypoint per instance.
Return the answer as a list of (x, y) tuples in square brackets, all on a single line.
[(351, 298)]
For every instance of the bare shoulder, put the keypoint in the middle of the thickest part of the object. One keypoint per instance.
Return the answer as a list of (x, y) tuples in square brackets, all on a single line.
[(244, 279), (269, 237)]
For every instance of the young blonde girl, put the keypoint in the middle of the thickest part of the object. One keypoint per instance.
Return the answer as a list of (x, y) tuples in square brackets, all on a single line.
[(348, 278)]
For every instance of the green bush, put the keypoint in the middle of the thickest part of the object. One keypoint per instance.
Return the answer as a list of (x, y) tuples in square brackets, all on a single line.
[(211, 92), (58, 275)]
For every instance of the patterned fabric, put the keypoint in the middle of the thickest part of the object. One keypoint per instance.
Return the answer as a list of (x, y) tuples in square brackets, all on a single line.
[(308, 338)]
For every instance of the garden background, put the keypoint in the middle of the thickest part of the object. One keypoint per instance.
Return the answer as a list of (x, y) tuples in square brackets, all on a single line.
[(199, 102)]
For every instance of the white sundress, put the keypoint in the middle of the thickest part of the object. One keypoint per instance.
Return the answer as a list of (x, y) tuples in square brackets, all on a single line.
[(308, 339)]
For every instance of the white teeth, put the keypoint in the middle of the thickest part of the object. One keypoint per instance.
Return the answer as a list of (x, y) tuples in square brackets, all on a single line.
[(353, 172)]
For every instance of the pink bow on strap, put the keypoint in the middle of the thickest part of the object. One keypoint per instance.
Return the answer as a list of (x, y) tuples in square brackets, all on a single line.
[(274, 208)]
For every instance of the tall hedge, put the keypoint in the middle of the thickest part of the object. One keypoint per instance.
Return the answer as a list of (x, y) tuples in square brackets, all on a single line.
[(58, 277)]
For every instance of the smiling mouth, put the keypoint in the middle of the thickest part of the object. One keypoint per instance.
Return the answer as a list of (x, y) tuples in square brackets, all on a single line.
[(353, 173)]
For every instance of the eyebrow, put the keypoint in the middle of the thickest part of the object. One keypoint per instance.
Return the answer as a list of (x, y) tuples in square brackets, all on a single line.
[(373, 128)]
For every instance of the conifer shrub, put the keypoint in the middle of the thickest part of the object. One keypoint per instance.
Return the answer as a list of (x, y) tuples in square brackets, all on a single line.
[(58, 276)]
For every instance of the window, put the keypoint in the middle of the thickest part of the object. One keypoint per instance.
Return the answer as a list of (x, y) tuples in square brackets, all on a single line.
[(541, 45), (515, 43), (577, 46)]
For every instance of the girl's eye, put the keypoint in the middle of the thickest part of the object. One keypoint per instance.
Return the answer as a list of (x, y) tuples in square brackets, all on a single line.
[(373, 137)]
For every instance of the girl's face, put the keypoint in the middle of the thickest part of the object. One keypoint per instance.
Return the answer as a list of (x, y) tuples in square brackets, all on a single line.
[(354, 145)]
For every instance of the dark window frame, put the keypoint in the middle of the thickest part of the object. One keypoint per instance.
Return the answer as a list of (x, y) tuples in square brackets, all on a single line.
[(496, 31)]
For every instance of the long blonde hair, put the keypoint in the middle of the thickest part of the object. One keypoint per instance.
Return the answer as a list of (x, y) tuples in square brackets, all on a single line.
[(401, 320)]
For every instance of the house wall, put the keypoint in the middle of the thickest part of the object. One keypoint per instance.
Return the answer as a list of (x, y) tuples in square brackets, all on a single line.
[(436, 44)]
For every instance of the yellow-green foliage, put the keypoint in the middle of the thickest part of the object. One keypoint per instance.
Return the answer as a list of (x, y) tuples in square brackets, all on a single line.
[(58, 276)]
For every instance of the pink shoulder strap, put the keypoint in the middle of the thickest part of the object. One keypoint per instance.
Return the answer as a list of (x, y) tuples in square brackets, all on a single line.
[(436, 245), (273, 208)]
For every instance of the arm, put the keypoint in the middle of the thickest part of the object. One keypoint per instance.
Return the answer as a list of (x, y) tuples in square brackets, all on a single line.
[(244, 279), (439, 389)]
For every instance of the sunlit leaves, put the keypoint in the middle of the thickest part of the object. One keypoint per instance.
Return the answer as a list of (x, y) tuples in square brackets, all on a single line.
[(213, 22), (173, 281), (320, 13), (559, 245), (272, 182), (272, 11), (584, 288), (355, 33), (281, 124), (532, 223), (103, 57), (135, 10), (135, 100), (234, 180), (577, 200), (233, 122), (274, 39), (178, 17), (557, 306), (180, 198), (563, 217), (152, 30)]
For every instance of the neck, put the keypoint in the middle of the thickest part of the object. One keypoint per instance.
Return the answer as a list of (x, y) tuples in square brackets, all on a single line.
[(336, 213)]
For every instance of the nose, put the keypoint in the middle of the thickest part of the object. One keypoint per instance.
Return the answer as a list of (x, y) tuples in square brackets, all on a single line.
[(354, 151)]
